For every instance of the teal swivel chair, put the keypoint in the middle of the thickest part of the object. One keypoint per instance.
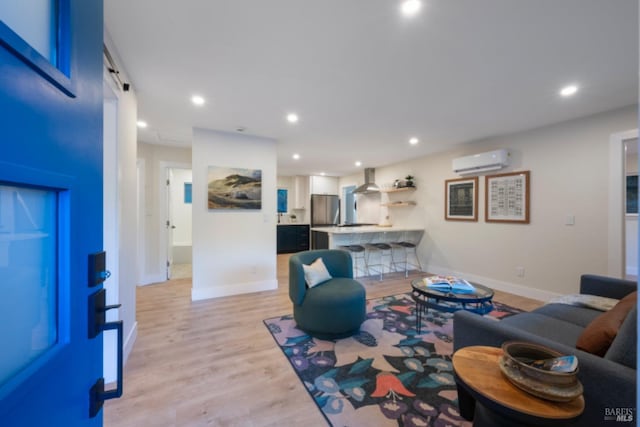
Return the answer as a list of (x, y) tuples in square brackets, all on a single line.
[(334, 309)]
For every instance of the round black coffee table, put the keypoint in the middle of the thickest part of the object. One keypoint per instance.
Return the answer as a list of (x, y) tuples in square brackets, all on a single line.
[(478, 302)]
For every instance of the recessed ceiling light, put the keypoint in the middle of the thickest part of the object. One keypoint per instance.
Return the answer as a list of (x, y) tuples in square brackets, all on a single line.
[(323, 174), (142, 124), (414, 141), (358, 163), (292, 118), (410, 7), (569, 90), (296, 156), (197, 100)]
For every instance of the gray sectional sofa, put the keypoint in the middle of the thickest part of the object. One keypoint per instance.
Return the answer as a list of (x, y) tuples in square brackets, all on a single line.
[(609, 382)]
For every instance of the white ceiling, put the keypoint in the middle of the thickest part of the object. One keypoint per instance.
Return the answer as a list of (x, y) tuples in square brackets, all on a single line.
[(363, 78)]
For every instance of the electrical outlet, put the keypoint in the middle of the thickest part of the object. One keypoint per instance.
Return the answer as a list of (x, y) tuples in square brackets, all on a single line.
[(520, 271)]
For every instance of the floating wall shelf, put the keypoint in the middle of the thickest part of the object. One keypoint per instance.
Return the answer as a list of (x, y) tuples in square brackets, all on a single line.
[(396, 190), (399, 204)]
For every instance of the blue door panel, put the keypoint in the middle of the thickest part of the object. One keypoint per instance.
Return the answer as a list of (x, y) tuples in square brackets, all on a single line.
[(50, 139)]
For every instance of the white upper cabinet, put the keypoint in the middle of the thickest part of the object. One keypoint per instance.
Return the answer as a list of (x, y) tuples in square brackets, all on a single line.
[(324, 185), (300, 196)]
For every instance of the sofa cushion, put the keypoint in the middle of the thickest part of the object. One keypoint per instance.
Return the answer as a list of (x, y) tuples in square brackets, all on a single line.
[(545, 326), (580, 316), (623, 349), (600, 333)]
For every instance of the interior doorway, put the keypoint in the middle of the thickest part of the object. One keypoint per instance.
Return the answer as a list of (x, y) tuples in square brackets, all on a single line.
[(631, 208), (617, 253), (179, 222), (350, 207)]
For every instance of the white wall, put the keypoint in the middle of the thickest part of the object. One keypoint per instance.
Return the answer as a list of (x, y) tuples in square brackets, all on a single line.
[(110, 224), (367, 205), (124, 174), (569, 176), (369, 209), (128, 244), (155, 157), (234, 251)]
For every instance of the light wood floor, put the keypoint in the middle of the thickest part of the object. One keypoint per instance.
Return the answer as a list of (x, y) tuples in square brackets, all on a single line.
[(213, 363)]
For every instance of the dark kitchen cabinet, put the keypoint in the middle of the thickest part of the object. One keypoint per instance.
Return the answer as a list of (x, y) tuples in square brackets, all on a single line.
[(293, 238), (320, 240)]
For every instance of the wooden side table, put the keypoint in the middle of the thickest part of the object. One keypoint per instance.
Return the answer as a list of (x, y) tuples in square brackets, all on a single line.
[(480, 380)]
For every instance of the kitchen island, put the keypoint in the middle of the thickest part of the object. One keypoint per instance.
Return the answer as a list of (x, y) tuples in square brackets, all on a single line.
[(334, 237)]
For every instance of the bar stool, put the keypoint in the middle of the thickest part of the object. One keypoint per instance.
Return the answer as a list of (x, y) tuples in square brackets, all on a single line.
[(358, 253), (408, 246), (382, 250)]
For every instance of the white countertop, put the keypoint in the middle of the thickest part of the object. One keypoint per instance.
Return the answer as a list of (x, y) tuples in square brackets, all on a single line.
[(364, 229)]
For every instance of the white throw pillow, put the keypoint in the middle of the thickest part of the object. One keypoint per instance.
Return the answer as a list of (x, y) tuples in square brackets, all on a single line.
[(316, 273)]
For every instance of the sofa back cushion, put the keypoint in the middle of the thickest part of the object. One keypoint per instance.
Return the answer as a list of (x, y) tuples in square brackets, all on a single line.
[(598, 336), (623, 349)]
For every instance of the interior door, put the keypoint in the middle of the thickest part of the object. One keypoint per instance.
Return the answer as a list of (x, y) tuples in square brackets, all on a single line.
[(50, 211), (349, 204)]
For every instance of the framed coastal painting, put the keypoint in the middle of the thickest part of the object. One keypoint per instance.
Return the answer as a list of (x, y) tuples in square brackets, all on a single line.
[(507, 197), (461, 199), (234, 188)]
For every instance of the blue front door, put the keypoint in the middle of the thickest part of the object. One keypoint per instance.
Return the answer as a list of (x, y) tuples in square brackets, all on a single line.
[(50, 210)]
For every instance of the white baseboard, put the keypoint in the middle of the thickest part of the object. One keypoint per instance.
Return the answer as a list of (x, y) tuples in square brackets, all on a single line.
[(512, 288), (632, 271), (130, 341), (150, 279), (201, 293)]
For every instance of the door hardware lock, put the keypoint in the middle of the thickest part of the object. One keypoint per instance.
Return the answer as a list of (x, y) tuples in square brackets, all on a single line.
[(98, 323)]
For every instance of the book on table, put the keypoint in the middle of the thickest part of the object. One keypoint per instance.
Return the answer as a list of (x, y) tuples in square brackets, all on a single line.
[(449, 284)]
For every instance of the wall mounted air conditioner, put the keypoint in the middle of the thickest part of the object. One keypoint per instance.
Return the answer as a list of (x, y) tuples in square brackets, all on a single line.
[(483, 162)]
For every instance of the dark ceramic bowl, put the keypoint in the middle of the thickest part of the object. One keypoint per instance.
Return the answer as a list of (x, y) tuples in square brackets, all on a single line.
[(518, 355)]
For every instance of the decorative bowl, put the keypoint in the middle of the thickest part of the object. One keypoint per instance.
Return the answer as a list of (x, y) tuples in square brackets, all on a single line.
[(550, 385)]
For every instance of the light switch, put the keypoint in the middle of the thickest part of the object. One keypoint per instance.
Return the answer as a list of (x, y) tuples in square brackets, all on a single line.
[(570, 220)]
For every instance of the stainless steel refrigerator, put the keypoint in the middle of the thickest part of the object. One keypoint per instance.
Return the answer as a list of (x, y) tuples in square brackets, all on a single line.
[(325, 210)]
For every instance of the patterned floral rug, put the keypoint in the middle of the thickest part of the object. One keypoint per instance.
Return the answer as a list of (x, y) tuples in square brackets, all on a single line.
[(387, 374)]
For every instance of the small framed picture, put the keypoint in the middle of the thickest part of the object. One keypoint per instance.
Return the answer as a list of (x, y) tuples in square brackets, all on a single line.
[(507, 197), (187, 193), (461, 199)]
